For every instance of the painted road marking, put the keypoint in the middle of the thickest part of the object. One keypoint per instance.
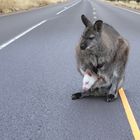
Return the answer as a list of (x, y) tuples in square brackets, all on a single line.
[(94, 13), (123, 8), (66, 8), (22, 34), (35, 26), (127, 10), (95, 17), (74, 4), (129, 114)]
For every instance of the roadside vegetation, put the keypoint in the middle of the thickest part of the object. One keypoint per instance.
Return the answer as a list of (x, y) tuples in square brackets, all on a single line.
[(134, 4), (8, 6)]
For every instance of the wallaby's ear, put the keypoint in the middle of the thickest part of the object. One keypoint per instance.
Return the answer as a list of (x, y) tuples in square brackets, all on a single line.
[(98, 25), (86, 21)]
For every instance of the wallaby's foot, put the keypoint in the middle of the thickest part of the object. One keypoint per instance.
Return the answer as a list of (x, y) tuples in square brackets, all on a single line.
[(76, 96), (111, 97), (80, 95)]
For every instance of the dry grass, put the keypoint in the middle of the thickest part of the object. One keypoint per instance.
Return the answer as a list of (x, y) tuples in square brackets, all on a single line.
[(131, 4), (7, 6)]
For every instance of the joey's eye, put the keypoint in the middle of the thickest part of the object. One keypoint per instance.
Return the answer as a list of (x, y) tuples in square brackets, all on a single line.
[(91, 37)]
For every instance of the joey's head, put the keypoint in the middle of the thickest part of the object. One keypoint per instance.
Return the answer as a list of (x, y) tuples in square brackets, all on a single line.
[(88, 81), (92, 33)]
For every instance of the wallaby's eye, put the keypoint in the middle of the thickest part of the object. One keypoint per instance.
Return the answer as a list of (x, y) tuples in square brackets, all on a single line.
[(91, 37)]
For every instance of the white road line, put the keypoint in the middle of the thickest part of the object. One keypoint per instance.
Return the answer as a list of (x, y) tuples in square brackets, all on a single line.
[(74, 4), (95, 17), (65, 8), (123, 9), (30, 29), (128, 10), (94, 13), (22, 34)]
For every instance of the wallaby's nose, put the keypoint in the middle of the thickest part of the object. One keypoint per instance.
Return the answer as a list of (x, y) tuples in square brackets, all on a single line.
[(82, 46)]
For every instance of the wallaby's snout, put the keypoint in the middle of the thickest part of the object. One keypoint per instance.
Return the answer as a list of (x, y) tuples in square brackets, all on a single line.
[(83, 46)]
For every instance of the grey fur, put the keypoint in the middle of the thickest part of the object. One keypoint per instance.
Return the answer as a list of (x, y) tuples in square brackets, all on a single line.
[(102, 47)]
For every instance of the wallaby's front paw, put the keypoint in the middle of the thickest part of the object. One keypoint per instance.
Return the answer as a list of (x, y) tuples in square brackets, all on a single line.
[(76, 96), (110, 97)]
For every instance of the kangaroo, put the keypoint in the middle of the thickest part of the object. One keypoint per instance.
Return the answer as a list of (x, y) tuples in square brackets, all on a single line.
[(105, 52)]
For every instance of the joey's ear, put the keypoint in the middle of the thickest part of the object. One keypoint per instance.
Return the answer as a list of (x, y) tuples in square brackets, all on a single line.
[(86, 21), (98, 25)]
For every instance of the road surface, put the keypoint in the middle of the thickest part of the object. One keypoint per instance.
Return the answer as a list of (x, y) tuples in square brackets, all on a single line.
[(38, 75)]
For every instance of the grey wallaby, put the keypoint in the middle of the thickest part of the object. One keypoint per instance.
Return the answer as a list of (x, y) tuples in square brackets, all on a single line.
[(105, 52)]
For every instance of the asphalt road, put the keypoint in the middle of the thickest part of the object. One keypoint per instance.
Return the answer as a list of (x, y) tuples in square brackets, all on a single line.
[(38, 75)]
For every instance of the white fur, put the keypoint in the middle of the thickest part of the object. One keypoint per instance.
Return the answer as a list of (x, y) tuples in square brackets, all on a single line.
[(88, 81), (115, 74)]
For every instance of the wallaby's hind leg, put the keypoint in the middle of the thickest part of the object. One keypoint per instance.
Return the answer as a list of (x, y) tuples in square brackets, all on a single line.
[(98, 92), (113, 92), (111, 97), (120, 61)]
